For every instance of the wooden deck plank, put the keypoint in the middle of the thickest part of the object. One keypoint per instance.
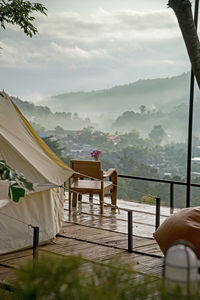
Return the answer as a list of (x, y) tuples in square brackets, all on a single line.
[(97, 239), (106, 238), (87, 250), (16, 254), (6, 274)]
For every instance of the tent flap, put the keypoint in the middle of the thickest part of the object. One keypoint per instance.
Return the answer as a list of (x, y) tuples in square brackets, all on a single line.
[(24, 151)]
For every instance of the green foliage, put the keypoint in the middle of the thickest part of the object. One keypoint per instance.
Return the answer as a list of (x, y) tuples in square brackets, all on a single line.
[(19, 12), (59, 130), (65, 278), (172, 119), (149, 199), (6, 295), (95, 138), (59, 278), (52, 278), (53, 144), (135, 156), (142, 109), (131, 138), (118, 281), (19, 183), (157, 134), (38, 128), (66, 160)]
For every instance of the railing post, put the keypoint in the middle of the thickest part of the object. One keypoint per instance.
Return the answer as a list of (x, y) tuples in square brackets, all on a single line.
[(35, 242), (157, 224), (130, 231), (171, 198)]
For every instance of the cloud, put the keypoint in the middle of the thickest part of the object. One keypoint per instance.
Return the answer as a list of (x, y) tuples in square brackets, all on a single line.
[(10, 54), (76, 52), (102, 29), (74, 35), (18, 55), (105, 47)]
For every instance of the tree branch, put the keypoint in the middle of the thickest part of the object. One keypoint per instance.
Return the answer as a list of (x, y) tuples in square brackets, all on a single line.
[(19, 12), (183, 12)]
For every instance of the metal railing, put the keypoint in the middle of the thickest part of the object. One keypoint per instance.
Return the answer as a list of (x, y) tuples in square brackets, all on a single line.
[(130, 228), (172, 183)]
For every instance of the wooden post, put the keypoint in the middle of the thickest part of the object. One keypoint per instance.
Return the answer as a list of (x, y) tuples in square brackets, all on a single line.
[(35, 242), (171, 198), (157, 223), (114, 190), (74, 199), (70, 195), (102, 197), (130, 231)]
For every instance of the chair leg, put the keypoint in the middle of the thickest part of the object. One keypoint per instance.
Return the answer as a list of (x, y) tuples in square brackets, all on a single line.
[(70, 200), (101, 197), (74, 200), (79, 197), (114, 196)]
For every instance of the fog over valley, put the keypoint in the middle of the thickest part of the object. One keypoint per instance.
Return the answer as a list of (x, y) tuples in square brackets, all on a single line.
[(135, 106), (111, 76)]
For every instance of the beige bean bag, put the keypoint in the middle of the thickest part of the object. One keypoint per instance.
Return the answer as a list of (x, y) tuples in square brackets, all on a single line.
[(183, 225)]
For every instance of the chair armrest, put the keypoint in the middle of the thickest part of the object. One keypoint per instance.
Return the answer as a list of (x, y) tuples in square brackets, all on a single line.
[(109, 172)]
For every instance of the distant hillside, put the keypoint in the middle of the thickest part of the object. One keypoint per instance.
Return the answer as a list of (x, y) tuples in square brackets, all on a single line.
[(136, 106), (159, 93), (42, 116)]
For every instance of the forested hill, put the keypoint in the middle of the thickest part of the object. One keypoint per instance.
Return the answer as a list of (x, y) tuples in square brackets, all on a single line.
[(42, 116), (161, 94)]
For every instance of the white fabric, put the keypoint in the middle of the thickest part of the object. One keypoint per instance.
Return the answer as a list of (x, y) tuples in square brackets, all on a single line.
[(3, 203), (43, 208), (23, 153), (4, 188)]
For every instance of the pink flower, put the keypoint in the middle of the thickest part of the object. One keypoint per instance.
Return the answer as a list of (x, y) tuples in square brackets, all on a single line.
[(95, 154)]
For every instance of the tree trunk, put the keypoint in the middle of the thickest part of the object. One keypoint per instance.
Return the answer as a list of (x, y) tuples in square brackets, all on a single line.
[(183, 12)]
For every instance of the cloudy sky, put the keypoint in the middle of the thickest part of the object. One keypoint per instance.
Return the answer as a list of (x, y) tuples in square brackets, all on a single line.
[(91, 44)]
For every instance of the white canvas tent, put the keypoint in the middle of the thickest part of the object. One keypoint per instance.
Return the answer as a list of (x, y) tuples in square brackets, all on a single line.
[(24, 151)]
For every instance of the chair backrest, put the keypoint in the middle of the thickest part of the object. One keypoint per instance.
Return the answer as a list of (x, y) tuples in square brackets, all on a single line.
[(87, 167)]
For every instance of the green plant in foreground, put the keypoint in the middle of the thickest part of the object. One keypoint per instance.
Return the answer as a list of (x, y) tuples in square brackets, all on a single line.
[(19, 183), (55, 277)]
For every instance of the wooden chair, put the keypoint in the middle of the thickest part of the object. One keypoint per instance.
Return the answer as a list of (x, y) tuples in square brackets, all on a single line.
[(90, 180)]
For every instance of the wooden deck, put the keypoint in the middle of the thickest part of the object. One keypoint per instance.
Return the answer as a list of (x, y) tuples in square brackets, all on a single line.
[(99, 238)]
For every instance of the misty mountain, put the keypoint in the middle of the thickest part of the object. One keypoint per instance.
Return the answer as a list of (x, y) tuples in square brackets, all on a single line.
[(163, 93), (174, 122), (136, 106), (42, 116)]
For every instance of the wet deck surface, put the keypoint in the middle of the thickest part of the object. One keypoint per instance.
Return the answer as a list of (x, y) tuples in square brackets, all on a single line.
[(88, 213), (98, 238)]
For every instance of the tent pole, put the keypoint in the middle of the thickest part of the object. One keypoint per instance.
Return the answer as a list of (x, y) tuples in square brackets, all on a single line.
[(190, 122)]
